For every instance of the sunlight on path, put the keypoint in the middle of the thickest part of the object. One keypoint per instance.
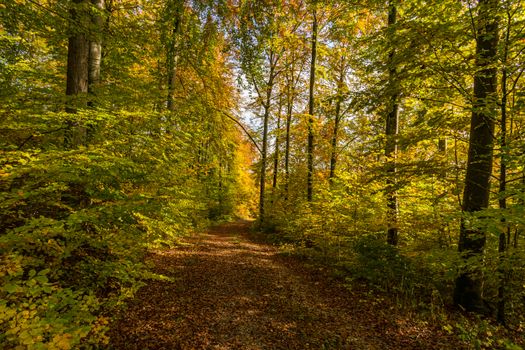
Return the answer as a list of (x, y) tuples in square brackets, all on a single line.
[(232, 293)]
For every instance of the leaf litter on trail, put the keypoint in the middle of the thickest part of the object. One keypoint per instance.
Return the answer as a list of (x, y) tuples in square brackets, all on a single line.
[(229, 292)]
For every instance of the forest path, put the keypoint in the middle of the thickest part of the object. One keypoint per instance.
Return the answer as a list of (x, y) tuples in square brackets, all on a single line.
[(230, 292)]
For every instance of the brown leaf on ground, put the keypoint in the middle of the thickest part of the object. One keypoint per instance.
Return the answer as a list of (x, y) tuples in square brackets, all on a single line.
[(230, 292)]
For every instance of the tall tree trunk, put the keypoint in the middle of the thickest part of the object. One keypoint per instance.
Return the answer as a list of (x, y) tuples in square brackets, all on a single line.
[(220, 195), (264, 151), (502, 244), (77, 70), (468, 288), (95, 46), (277, 137), (391, 132), (95, 56), (310, 147), (339, 99), (172, 56), (290, 96)]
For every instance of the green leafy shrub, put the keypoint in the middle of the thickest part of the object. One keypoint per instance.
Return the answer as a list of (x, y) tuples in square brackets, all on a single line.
[(76, 223)]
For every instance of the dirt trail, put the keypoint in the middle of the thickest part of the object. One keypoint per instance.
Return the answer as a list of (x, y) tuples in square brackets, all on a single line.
[(232, 293)]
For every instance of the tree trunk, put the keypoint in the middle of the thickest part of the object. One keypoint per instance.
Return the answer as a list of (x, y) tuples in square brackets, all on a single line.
[(442, 145), (276, 154), (502, 244), (95, 57), (310, 148), (264, 151), (391, 132), (289, 111), (77, 71), (95, 46), (468, 289), (172, 55), (339, 99)]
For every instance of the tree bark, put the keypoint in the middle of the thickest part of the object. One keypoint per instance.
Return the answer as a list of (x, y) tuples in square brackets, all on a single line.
[(77, 70), (502, 244), (95, 47), (290, 96), (391, 133), (339, 100), (277, 139), (95, 57), (172, 56), (310, 147), (77, 54), (468, 288), (266, 117)]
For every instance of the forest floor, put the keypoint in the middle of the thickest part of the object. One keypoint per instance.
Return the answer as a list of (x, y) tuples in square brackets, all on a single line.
[(229, 291)]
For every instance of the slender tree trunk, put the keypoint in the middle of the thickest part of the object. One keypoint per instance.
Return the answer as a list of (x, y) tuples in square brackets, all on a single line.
[(503, 201), (77, 70), (310, 148), (339, 99), (172, 56), (468, 289), (391, 132), (289, 111), (277, 137), (264, 151), (502, 244), (220, 189)]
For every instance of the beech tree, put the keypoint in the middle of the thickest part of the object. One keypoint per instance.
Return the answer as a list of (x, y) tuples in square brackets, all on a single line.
[(174, 16), (95, 44), (391, 133), (78, 69), (311, 106), (468, 289)]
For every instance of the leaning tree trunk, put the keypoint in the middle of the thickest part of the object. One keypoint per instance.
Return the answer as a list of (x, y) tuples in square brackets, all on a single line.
[(391, 132), (468, 288), (310, 147)]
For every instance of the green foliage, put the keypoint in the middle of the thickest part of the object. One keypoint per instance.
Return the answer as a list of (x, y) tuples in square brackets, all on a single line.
[(38, 314), (84, 195), (480, 334)]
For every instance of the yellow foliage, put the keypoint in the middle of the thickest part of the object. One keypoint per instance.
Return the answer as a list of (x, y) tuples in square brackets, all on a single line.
[(61, 342)]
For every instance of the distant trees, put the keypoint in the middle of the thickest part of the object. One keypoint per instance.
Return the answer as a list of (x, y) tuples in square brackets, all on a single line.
[(378, 63)]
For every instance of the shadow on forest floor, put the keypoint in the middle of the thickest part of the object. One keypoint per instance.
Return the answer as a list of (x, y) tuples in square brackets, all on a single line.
[(230, 292)]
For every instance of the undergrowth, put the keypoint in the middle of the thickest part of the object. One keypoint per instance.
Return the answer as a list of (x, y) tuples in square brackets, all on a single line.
[(76, 223), (417, 275)]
